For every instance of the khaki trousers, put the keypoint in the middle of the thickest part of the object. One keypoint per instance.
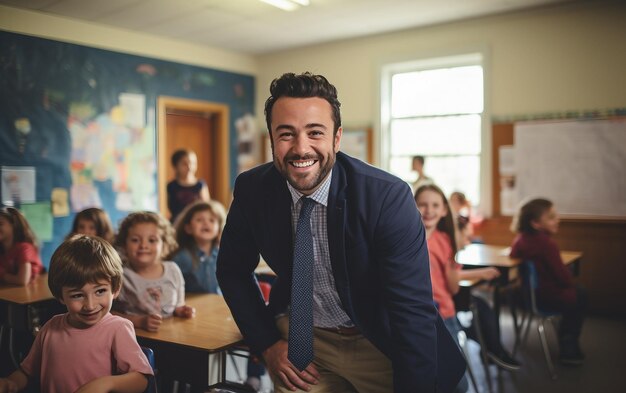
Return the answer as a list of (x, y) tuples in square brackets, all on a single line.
[(349, 364)]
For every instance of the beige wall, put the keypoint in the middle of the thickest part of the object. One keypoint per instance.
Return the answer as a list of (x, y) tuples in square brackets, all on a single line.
[(121, 40), (569, 57)]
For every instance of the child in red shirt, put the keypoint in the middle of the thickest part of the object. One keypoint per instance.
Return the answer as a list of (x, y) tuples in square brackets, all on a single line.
[(536, 222), (19, 257)]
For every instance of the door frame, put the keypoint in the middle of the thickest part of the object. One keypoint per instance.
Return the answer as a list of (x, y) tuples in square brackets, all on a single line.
[(220, 114)]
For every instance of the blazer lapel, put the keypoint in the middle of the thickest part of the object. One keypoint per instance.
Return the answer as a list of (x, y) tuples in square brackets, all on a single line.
[(279, 231), (336, 212)]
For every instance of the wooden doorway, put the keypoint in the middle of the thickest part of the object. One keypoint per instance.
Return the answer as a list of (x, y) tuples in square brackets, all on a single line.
[(201, 126)]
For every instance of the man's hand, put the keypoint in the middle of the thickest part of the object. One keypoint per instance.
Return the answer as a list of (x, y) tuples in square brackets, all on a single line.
[(279, 365), (7, 386)]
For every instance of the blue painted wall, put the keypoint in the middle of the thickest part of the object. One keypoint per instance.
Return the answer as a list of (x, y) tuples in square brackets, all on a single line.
[(69, 93)]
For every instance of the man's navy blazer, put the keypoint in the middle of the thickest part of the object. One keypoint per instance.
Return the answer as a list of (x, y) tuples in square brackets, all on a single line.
[(379, 261)]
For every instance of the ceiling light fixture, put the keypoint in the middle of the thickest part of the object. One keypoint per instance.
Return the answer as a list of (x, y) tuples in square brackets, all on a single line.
[(287, 5)]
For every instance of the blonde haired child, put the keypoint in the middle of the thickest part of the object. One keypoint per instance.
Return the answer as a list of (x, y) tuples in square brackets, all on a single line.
[(87, 348), (198, 231), (536, 222), (19, 257), (93, 222), (153, 289), (445, 273)]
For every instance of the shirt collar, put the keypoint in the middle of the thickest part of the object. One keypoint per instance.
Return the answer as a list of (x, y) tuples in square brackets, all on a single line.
[(320, 195)]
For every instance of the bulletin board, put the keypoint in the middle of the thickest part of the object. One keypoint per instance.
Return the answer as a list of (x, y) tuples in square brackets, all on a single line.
[(78, 128), (578, 164)]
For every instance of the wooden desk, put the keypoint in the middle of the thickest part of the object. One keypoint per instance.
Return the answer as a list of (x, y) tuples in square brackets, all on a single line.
[(34, 292), (25, 309), (28, 307), (193, 351), (483, 255)]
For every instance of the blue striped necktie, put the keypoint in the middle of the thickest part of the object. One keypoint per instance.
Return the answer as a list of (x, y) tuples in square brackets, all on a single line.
[(300, 349)]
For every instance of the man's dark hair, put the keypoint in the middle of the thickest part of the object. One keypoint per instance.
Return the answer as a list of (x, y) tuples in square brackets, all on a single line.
[(305, 85), (419, 158), (179, 155)]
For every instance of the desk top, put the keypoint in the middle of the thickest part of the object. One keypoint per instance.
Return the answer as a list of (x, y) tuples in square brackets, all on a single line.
[(498, 256), (34, 292), (212, 329)]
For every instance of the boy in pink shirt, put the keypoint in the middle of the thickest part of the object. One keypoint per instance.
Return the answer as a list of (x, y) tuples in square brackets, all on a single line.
[(86, 348)]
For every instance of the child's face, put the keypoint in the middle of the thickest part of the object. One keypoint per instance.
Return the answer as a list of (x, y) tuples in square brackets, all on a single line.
[(432, 208), (204, 226), (547, 222), (86, 227), (186, 165), (6, 231), (86, 306), (455, 203), (144, 245)]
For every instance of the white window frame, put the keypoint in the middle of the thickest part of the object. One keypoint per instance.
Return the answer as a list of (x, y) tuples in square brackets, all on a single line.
[(471, 56)]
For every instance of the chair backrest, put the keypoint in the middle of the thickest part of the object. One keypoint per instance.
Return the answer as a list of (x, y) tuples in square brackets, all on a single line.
[(151, 381), (530, 282)]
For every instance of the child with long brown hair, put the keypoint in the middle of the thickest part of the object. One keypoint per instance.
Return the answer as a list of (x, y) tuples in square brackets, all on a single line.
[(536, 222), (198, 231), (92, 222), (19, 256), (446, 273)]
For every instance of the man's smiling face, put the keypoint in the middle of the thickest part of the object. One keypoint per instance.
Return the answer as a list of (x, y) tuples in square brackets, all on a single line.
[(303, 144)]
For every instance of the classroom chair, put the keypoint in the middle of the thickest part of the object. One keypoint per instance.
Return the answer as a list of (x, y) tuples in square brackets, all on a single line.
[(530, 283), (151, 381), (463, 302), (462, 337)]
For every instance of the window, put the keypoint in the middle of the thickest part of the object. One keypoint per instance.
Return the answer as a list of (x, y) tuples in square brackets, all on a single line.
[(434, 108)]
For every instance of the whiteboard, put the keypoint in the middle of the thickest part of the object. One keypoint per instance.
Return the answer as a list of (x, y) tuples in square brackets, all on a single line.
[(579, 165)]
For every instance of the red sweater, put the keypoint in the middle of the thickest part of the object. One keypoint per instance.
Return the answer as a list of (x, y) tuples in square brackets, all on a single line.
[(20, 253), (556, 287)]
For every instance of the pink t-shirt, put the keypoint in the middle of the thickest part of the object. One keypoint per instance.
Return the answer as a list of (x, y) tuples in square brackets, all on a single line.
[(440, 254), (21, 252), (65, 358)]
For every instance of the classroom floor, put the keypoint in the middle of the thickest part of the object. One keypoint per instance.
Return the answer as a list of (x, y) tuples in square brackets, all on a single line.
[(602, 341)]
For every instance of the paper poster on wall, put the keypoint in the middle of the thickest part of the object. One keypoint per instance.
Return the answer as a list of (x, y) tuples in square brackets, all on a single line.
[(60, 202), (84, 195), (18, 185), (133, 109), (39, 217), (357, 143), (508, 193)]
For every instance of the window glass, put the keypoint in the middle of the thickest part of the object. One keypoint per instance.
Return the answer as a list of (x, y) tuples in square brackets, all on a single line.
[(437, 113), (437, 92)]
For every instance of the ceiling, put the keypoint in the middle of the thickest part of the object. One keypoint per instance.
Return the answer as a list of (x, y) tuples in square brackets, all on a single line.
[(254, 27)]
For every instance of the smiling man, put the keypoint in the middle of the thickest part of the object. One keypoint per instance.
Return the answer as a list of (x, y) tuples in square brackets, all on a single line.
[(351, 309)]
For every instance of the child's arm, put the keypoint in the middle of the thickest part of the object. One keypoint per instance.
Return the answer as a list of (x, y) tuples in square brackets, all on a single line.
[(486, 273), (14, 383), (204, 193), (185, 311), (150, 322), (22, 277), (452, 277), (560, 273), (126, 383)]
